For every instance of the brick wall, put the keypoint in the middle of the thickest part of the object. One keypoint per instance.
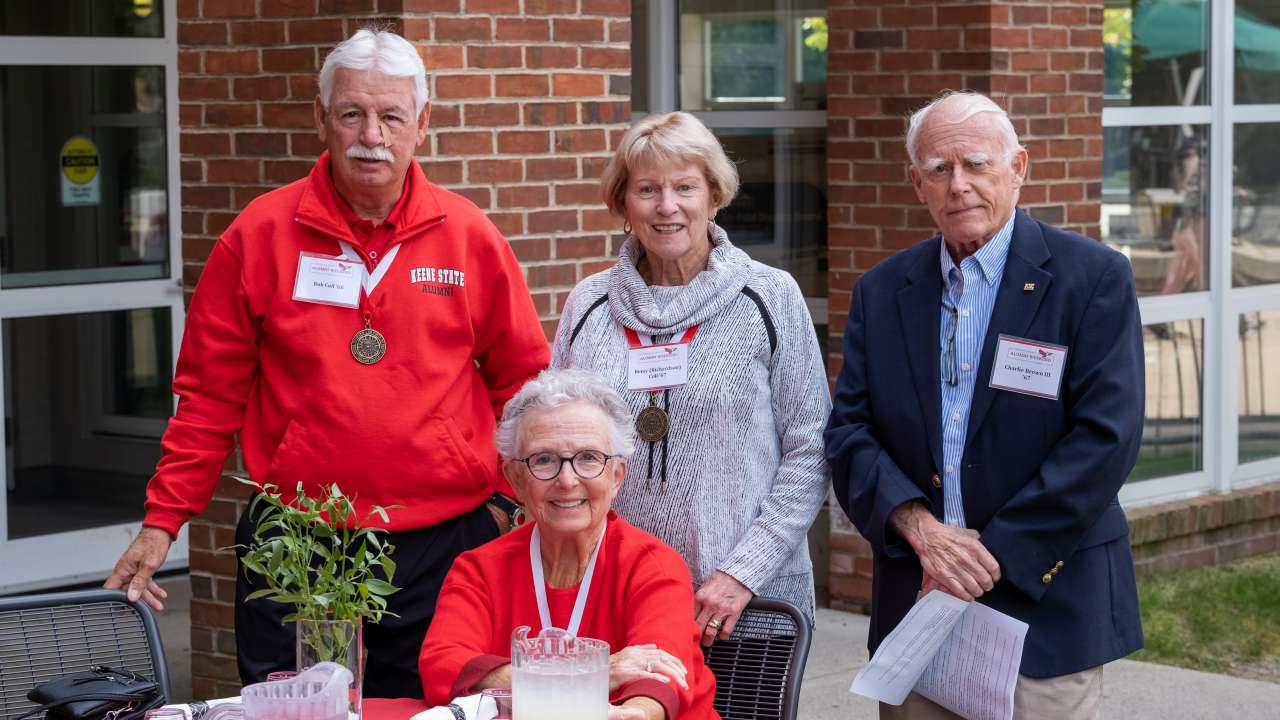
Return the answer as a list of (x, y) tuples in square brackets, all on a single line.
[(1207, 530), (528, 98), (1041, 60)]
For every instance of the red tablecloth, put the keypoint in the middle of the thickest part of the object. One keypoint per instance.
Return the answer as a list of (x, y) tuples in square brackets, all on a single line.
[(398, 709)]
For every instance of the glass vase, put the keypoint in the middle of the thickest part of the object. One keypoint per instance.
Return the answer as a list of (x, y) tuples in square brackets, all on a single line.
[(339, 641)]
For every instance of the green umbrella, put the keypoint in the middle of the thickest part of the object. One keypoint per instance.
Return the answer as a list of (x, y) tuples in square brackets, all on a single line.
[(1171, 28)]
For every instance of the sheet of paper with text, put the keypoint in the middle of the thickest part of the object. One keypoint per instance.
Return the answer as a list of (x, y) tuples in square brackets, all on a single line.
[(963, 656)]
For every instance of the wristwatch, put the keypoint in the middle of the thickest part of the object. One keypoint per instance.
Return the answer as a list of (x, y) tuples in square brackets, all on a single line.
[(515, 513)]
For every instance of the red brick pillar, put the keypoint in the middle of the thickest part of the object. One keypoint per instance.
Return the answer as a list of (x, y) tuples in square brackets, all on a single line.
[(528, 99), (1041, 60)]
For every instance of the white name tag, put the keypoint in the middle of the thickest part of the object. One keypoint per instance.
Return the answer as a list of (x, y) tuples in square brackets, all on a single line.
[(328, 280), (1029, 367), (656, 367)]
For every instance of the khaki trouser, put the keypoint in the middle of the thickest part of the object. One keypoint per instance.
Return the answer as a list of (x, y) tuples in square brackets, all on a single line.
[(1077, 696)]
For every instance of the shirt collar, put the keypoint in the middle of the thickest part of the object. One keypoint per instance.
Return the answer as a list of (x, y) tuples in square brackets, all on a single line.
[(991, 257), (352, 219)]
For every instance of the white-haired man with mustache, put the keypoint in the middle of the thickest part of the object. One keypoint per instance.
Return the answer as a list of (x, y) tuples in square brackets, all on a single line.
[(360, 326)]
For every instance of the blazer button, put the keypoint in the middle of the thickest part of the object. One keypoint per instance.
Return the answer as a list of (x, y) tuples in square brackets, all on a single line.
[(1046, 578), (1058, 565), (937, 481)]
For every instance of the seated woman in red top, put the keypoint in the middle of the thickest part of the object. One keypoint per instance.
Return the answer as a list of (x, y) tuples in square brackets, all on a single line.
[(565, 439)]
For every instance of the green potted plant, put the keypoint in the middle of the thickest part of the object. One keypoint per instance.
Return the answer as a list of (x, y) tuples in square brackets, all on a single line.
[(316, 555)]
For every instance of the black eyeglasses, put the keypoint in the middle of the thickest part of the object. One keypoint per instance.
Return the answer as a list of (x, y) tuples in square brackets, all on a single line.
[(587, 464), (950, 375)]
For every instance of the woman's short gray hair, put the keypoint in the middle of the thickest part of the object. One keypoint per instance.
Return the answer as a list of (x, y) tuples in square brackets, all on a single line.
[(669, 140), (553, 388), (381, 50), (966, 104)]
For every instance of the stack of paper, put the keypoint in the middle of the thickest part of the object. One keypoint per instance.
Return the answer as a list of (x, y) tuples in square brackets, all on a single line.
[(962, 655)]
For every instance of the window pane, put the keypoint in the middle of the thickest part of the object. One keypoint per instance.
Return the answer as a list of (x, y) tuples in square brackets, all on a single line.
[(780, 214), (87, 397), (83, 180), (759, 55), (1255, 205), (1154, 52), (1259, 386), (83, 18), (1172, 436), (1257, 52), (1155, 204)]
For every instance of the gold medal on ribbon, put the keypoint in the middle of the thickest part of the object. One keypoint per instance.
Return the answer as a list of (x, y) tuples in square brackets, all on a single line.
[(652, 423), (368, 346)]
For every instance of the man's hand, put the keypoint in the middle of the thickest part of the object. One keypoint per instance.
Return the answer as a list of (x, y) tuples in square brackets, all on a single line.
[(954, 559), (718, 604), (138, 564), (500, 518)]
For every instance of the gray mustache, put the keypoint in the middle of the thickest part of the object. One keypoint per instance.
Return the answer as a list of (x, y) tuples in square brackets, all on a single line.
[(360, 152)]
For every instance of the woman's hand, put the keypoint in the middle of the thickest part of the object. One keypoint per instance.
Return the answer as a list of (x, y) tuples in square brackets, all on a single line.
[(637, 708), (717, 606), (637, 662)]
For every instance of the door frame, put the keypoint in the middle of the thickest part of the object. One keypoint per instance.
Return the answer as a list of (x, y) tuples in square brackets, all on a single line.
[(83, 556)]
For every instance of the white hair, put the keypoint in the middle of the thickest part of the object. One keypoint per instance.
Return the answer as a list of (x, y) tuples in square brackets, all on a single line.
[(553, 388), (380, 50), (967, 104)]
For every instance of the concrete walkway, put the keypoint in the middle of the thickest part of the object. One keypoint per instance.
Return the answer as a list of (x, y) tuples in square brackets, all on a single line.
[(1134, 690)]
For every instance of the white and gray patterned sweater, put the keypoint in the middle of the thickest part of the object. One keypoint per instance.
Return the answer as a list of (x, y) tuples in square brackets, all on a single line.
[(744, 471)]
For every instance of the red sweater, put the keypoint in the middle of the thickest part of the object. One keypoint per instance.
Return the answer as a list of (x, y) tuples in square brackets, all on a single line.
[(416, 428), (641, 593)]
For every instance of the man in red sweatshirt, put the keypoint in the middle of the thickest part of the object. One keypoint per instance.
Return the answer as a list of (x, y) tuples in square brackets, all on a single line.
[(360, 326)]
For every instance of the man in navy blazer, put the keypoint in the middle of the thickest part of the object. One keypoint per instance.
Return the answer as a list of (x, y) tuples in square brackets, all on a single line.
[(971, 456)]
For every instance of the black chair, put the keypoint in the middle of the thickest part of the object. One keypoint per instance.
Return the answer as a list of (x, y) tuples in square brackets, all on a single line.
[(44, 636), (759, 668)]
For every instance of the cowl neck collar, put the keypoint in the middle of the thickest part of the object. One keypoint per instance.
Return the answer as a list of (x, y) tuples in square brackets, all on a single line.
[(631, 300)]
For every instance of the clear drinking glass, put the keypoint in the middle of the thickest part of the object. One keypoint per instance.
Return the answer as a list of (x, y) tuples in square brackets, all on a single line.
[(339, 641), (495, 704)]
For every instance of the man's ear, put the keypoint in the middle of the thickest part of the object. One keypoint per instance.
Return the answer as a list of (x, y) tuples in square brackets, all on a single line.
[(916, 181), (424, 120), (319, 113), (1021, 160)]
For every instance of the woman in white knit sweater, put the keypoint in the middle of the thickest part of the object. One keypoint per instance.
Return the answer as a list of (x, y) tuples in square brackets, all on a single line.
[(729, 469)]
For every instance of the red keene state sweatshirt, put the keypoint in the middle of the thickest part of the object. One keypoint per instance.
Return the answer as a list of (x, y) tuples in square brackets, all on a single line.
[(414, 429)]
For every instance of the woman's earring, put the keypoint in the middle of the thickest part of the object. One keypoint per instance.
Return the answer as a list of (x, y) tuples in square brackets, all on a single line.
[(626, 226)]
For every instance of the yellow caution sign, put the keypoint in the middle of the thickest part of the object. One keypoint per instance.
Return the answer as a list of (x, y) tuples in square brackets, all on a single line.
[(142, 8), (79, 162)]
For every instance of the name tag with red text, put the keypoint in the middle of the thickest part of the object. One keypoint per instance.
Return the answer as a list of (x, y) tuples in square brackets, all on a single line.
[(328, 280), (1029, 367)]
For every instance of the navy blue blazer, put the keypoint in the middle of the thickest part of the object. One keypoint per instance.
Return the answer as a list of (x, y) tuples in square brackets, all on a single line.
[(1039, 476)]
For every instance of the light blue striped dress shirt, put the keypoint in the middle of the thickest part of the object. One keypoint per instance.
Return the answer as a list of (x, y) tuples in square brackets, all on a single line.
[(970, 294)]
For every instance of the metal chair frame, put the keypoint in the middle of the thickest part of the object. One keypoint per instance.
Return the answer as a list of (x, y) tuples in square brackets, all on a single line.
[(760, 667), (44, 636)]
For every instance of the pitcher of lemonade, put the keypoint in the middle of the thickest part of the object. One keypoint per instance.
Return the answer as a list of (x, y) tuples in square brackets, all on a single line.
[(557, 676)]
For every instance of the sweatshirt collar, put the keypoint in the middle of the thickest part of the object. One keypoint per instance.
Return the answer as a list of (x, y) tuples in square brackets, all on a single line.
[(321, 207)]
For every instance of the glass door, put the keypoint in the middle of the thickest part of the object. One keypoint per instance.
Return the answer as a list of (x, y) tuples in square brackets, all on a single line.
[(90, 279)]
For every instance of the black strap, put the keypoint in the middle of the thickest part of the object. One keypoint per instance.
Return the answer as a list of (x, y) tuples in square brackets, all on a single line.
[(765, 316), (583, 320), (125, 698)]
